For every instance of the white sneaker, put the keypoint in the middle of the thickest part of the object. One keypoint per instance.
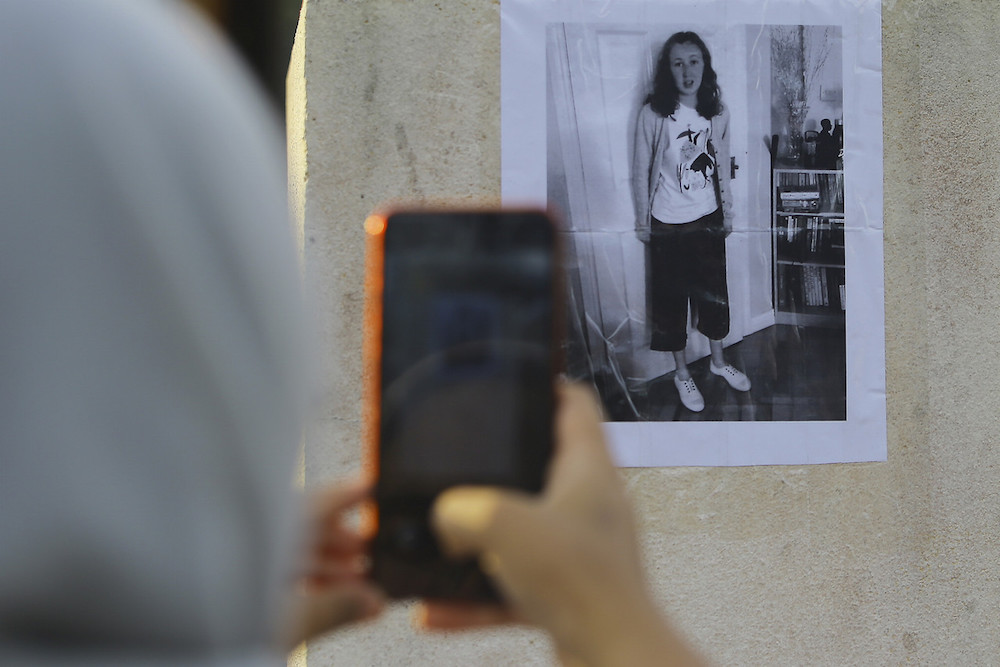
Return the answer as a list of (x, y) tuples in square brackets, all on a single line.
[(736, 379), (690, 396)]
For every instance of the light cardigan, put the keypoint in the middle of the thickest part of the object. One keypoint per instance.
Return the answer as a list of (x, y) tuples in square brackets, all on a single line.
[(650, 145)]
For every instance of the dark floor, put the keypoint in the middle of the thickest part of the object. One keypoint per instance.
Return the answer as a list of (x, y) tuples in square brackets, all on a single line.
[(798, 374)]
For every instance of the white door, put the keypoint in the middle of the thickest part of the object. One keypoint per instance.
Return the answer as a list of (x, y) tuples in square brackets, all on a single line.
[(599, 76)]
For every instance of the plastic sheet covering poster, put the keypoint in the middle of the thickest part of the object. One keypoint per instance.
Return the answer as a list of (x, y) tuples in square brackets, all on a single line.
[(717, 167)]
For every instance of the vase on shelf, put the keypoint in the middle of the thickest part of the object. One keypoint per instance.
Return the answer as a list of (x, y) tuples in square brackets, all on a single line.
[(797, 111)]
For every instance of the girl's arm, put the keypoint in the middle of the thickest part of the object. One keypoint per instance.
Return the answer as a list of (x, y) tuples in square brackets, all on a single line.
[(722, 155), (642, 159)]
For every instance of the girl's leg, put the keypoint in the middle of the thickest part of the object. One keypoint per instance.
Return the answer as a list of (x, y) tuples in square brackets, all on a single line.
[(711, 297), (718, 359), (709, 289), (668, 287), (680, 361), (670, 263), (686, 387)]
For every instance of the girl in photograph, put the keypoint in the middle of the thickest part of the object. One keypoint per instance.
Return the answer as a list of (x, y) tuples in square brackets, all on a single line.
[(684, 208)]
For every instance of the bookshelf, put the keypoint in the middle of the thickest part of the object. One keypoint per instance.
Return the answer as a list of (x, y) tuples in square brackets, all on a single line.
[(807, 224)]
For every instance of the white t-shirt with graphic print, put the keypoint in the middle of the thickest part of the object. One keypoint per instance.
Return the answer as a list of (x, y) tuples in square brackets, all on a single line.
[(686, 187)]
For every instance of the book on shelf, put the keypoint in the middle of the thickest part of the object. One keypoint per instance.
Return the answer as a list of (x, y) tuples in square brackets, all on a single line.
[(810, 286), (802, 238), (813, 285), (809, 244), (824, 287), (823, 192), (836, 290), (837, 234)]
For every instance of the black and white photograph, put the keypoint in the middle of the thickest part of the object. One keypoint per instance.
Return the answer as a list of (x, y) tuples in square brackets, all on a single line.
[(706, 173), (693, 300)]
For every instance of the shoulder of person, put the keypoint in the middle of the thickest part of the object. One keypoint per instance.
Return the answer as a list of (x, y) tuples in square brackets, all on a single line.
[(721, 120), (646, 113), (647, 118)]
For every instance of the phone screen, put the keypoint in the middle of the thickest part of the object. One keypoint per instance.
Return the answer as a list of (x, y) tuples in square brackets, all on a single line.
[(466, 351), (467, 365)]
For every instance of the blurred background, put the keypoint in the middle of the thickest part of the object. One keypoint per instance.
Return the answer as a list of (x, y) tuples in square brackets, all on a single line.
[(263, 31)]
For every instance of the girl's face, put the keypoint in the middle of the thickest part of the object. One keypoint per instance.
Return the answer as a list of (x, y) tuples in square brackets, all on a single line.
[(687, 65)]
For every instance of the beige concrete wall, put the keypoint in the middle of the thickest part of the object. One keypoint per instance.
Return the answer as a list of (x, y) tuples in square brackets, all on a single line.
[(892, 563)]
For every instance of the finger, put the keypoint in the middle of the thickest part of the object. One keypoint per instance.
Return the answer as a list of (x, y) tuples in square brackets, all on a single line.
[(472, 520), (329, 572), (337, 540), (325, 568), (329, 535), (579, 434), (331, 501), (350, 603), (578, 409), (460, 616)]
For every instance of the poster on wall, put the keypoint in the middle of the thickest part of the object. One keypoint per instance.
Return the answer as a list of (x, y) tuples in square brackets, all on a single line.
[(716, 167)]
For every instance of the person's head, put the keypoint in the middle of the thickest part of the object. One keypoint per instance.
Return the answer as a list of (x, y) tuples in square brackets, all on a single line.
[(825, 124), (685, 68)]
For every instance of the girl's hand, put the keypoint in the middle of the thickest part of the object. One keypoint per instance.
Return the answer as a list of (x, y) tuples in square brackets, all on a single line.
[(727, 218)]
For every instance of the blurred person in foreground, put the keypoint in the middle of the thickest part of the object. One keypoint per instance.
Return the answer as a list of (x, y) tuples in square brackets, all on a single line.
[(154, 385)]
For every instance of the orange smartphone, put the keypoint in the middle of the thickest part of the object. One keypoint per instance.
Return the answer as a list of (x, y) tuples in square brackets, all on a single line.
[(462, 350)]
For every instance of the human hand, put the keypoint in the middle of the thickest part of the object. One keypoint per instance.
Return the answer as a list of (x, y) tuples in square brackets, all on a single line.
[(567, 560), (727, 220), (333, 589), (642, 233)]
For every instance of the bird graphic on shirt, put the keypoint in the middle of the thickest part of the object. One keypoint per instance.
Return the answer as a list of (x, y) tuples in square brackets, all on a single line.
[(696, 166)]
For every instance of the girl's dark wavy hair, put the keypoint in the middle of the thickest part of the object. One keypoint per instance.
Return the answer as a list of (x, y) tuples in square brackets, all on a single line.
[(665, 98)]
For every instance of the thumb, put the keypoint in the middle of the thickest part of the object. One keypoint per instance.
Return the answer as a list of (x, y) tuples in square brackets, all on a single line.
[(471, 520)]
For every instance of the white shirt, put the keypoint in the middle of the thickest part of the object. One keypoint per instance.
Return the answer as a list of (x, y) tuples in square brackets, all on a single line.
[(686, 187)]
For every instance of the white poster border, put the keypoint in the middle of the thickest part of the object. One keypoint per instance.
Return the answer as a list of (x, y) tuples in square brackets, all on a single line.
[(862, 436)]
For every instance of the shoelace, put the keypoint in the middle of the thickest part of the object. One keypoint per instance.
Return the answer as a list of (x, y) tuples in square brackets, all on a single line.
[(689, 384)]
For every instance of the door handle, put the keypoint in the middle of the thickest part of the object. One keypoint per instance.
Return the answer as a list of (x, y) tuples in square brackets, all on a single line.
[(733, 167)]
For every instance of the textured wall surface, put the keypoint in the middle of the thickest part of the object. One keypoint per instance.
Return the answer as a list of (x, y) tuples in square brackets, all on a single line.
[(891, 563)]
